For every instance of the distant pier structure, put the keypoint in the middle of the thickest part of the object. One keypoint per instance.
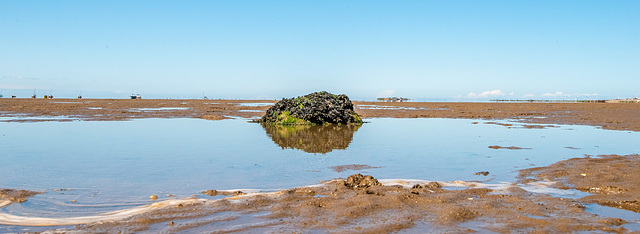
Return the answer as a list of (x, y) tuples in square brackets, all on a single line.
[(393, 99), (628, 100)]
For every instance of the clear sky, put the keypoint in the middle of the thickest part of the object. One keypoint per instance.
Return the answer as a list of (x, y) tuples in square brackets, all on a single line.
[(427, 50)]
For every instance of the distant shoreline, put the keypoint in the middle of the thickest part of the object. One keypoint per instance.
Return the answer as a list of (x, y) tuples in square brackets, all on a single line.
[(614, 116)]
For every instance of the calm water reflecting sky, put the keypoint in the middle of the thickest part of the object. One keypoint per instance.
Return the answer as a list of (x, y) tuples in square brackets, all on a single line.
[(123, 162)]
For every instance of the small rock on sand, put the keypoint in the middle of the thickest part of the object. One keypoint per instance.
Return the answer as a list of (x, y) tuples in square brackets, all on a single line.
[(358, 181)]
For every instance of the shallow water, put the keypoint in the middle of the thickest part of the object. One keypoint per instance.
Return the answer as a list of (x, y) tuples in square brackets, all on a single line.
[(255, 104), (111, 165), (158, 109)]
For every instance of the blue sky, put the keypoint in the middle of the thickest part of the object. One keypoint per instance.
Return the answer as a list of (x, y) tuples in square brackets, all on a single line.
[(426, 50)]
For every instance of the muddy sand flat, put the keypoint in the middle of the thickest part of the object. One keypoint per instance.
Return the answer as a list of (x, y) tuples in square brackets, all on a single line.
[(613, 116), (361, 203)]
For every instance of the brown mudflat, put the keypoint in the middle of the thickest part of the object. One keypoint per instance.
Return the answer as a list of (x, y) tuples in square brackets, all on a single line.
[(612, 179), (361, 204), (123, 109), (615, 116), (16, 196)]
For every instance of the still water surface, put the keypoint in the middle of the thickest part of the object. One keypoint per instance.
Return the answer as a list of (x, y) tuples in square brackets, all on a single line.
[(113, 165)]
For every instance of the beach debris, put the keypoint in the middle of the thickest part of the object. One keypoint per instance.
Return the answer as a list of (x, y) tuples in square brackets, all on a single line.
[(509, 148), (153, 197), (359, 181), (214, 193), (484, 173), (315, 108), (433, 185), (211, 192)]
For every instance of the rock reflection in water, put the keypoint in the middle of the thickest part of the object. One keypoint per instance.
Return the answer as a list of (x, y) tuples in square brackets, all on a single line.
[(312, 138)]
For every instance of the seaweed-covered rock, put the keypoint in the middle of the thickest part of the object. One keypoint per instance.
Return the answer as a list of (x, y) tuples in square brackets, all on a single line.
[(316, 108)]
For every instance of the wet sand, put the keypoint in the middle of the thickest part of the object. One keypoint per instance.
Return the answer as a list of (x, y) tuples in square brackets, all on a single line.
[(362, 204), (614, 116), (8, 196), (611, 179)]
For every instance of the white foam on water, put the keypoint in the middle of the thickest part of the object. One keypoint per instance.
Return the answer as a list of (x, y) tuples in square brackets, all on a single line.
[(7, 219)]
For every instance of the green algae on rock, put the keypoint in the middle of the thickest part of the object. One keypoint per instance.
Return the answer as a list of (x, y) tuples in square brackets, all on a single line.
[(315, 108)]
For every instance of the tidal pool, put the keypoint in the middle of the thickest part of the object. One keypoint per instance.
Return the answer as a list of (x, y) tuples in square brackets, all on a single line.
[(111, 165)]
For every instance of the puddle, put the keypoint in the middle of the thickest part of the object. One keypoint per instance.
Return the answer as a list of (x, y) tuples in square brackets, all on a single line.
[(114, 165), (631, 217), (23, 118), (157, 109), (256, 104), (250, 111), (605, 211)]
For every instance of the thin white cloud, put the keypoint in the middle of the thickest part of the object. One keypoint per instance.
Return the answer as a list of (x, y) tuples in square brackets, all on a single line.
[(18, 78), (556, 94), (528, 95), (559, 94), (386, 93), (486, 94), (8, 86)]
